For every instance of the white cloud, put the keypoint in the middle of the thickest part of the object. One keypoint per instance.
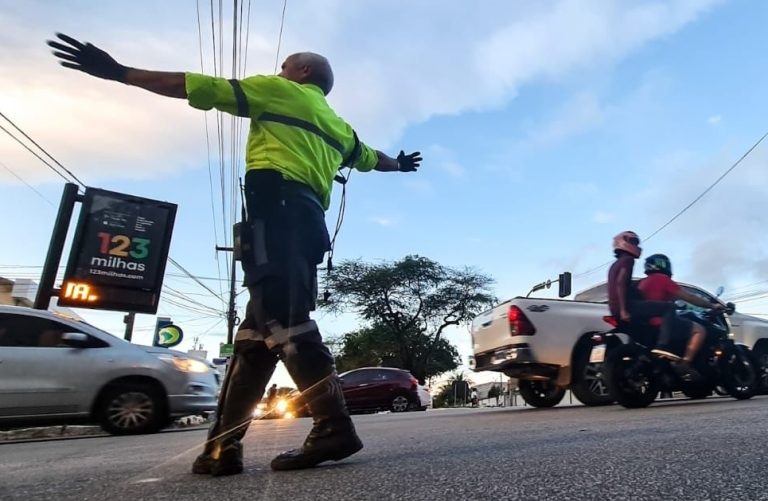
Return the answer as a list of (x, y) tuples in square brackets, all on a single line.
[(394, 75), (714, 119)]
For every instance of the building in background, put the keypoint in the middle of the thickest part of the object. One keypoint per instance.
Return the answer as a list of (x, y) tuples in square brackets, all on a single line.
[(22, 291)]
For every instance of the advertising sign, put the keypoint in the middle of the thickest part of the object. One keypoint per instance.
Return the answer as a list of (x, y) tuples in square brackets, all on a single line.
[(119, 252)]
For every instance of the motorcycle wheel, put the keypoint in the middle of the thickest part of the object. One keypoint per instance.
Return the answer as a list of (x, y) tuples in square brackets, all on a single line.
[(629, 375), (740, 375)]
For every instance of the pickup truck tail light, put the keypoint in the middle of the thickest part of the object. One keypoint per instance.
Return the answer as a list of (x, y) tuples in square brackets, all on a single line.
[(519, 325), (610, 320)]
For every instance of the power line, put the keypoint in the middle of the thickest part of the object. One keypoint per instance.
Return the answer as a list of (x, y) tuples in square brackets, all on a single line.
[(695, 200), (35, 154), (703, 193), (208, 149), (193, 277), (26, 184), (280, 36), (42, 149)]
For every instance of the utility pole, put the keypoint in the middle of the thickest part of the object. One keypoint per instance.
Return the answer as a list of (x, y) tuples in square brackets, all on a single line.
[(128, 320), (232, 310)]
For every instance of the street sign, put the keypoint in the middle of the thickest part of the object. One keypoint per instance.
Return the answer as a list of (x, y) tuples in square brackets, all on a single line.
[(226, 350), (118, 255)]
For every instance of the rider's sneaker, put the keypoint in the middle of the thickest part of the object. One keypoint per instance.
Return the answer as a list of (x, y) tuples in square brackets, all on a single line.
[(666, 354)]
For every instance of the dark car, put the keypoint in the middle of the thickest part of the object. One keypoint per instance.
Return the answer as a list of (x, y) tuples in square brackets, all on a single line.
[(381, 388)]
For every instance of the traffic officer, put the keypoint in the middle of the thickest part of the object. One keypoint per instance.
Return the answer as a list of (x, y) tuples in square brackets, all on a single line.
[(295, 146)]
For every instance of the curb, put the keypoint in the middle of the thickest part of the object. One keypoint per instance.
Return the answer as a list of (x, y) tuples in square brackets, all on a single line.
[(58, 432)]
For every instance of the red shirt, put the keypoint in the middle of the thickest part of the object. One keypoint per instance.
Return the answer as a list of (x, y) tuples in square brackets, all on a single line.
[(658, 287)]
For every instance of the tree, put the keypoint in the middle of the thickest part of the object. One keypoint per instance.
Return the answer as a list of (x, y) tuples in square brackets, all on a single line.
[(376, 346), (411, 302), (495, 392), (455, 391)]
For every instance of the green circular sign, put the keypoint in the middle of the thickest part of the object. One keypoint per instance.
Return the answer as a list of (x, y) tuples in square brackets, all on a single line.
[(170, 335)]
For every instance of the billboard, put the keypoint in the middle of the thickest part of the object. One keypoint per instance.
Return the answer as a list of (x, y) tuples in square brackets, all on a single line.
[(118, 255)]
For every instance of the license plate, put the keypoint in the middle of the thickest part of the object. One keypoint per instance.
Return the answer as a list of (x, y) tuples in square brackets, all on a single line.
[(598, 354)]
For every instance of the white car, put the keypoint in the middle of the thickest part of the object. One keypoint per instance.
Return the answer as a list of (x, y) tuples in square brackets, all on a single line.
[(56, 368), (425, 397)]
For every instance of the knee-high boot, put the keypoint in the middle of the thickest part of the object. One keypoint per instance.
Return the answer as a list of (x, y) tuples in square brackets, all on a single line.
[(249, 373), (333, 435)]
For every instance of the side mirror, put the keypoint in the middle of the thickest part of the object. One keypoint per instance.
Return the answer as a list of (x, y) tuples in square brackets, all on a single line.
[(75, 339), (730, 308), (564, 282)]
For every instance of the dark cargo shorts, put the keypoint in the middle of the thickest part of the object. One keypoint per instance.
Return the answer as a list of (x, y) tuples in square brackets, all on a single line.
[(283, 240)]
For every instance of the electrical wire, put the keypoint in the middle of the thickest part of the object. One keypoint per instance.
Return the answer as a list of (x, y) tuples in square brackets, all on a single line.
[(280, 36), (208, 148), (190, 275), (65, 178), (41, 149), (26, 184), (687, 207)]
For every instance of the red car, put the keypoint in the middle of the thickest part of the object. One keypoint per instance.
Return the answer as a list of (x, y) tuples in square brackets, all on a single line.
[(381, 388)]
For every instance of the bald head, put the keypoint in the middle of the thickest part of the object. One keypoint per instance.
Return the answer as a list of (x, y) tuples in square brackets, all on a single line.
[(308, 67)]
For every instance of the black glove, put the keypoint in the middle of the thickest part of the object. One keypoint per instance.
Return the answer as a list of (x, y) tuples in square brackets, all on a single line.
[(87, 58), (408, 163)]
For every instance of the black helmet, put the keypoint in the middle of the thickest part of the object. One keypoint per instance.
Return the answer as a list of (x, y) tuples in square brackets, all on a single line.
[(658, 263)]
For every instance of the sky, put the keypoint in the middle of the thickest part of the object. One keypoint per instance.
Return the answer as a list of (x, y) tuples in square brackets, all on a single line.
[(546, 126)]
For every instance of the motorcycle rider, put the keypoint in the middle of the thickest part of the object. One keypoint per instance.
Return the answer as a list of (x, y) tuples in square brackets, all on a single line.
[(624, 301), (659, 286)]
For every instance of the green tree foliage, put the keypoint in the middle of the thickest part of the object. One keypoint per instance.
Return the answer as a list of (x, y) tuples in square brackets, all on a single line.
[(376, 346), (409, 303), (495, 392), (454, 392)]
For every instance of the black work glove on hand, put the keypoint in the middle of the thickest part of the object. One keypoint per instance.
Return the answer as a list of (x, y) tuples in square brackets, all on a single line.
[(408, 163), (87, 58)]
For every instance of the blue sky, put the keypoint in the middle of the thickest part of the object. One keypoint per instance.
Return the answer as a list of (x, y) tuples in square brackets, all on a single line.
[(546, 127)]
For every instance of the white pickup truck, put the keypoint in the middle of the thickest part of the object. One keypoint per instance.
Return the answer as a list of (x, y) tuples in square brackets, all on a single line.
[(546, 344)]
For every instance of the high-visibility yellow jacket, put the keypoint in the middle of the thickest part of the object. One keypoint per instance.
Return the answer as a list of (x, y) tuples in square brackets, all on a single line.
[(293, 129)]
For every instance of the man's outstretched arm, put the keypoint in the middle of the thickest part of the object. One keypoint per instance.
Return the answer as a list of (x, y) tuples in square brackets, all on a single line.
[(90, 59)]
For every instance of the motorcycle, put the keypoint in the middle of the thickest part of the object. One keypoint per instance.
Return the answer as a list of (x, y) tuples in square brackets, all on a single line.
[(635, 376)]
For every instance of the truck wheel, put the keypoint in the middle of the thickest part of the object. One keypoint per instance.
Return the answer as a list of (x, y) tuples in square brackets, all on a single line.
[(541, 393), (589, 384)]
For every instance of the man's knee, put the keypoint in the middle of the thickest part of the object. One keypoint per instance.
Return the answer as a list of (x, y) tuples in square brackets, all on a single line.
[(277, 299)]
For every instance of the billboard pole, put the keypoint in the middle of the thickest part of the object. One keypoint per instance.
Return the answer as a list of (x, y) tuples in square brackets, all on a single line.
[(56, 247)]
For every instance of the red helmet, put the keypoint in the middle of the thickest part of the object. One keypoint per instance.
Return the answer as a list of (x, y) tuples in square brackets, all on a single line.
[(629, 242)]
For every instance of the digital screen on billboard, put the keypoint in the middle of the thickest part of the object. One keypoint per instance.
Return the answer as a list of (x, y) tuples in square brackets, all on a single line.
[(119, 252)]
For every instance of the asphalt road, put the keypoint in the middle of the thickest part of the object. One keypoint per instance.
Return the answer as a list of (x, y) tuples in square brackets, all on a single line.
[(710, 449)]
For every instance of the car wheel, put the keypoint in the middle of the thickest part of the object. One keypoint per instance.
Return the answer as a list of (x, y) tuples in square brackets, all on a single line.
[(589, 384), (400, 404), (541, 393), (132, 410)]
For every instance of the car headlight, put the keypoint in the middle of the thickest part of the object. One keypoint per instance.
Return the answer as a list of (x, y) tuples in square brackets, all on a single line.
[(281, 406), (185, 364)]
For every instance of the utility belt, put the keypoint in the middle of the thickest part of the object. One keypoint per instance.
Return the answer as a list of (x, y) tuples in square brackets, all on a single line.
[(275, 203)]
